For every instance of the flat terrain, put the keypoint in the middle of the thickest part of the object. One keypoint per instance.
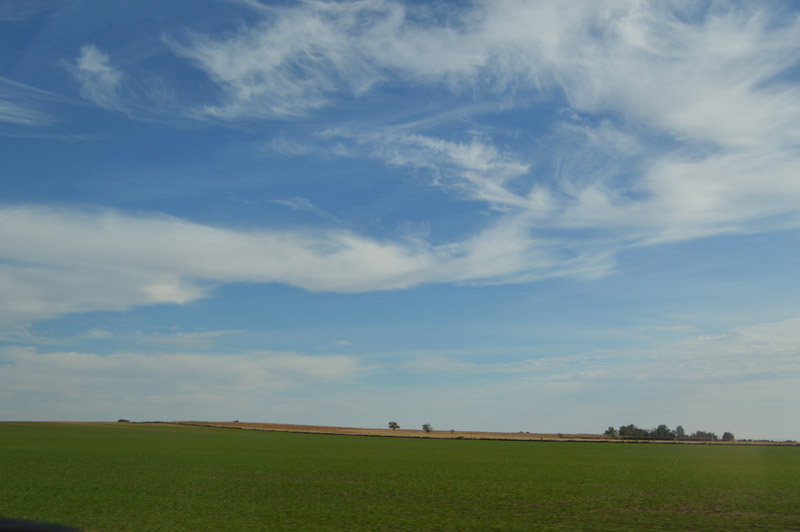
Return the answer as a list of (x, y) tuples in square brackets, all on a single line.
[(159, 477), (456, 434), (401, 432)]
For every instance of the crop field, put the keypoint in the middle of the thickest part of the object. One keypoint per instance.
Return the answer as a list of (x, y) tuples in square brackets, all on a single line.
[(158, 477)]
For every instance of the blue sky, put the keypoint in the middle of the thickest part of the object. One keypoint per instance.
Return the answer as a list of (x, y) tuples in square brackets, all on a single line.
[(505, 215)]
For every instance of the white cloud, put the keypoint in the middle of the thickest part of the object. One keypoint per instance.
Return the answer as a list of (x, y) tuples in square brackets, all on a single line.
[(65, 261), (59, 261), (100, 81)]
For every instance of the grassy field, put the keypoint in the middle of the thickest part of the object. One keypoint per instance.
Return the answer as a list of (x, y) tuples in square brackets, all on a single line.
[(142, 477)]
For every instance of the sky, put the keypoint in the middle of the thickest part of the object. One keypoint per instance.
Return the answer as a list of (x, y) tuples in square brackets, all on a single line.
[(497, 215)]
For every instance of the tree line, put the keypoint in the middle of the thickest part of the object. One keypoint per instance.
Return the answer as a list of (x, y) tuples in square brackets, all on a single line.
[(663, 432)]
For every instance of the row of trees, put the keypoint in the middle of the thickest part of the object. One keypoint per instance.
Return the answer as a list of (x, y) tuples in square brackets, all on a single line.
[(663, 432)]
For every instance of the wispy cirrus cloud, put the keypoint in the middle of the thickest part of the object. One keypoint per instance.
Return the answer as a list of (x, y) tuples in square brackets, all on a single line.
[(649, 62), (139, 94), (288, 63), (100, 81), (296, 59), (475, 169), (22, 104), (22, 114), (703, 80)]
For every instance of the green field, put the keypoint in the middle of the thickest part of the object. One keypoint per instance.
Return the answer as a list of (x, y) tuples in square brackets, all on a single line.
[(147, 477)]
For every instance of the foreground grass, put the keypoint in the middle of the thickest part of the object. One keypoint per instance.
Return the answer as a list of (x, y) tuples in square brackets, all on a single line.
[(126, 477)]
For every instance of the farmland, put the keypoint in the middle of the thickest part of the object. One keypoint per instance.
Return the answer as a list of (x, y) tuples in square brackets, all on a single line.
[(158, 477)]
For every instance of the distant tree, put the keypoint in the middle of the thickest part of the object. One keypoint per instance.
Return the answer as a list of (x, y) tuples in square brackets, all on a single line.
[(662, 432), (393, 425), (680, 433), (427, 427), (703, 435), (611, 431), (728, 436), (627, 431), (634, 432)]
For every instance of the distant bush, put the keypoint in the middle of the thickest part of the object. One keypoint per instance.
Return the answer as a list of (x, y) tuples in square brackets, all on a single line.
[(123, 421)]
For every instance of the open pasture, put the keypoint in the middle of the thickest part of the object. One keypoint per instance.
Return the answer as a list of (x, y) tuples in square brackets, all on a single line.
[(157, 477)]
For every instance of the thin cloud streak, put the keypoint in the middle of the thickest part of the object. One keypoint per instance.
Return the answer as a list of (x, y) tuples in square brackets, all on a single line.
[(22, 114)]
